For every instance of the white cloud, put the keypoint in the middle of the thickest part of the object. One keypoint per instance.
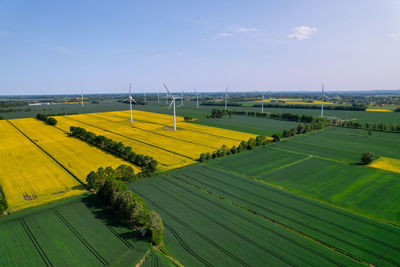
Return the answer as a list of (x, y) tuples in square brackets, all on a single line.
[(395, 36), (225, 34), (302, 32), (244, 29)]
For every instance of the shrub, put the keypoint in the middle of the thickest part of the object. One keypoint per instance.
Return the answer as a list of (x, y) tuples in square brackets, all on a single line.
[(368, 157)]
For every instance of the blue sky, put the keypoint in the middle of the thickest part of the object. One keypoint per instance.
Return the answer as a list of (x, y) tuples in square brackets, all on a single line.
[(63, 46)]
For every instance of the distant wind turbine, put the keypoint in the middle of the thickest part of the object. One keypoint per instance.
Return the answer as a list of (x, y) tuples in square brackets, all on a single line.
[(182, 98), (197, 98), (158, 97), (323, 96), (172, 103), (82, 97), (226, 96), (131, 99)]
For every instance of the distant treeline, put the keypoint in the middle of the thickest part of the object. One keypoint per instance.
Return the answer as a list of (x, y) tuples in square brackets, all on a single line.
[(287, 116), (45, 118), (3, 202), (354, 107), (260, 140), (129, 206), (61, 114), (385, 127), (220, 103), (148, 164), (12, 103), (15, 110)]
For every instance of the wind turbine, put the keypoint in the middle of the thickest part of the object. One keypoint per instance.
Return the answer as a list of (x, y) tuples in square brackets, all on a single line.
[(182, 98), (226, 96), (144, 93), (172, 103), (82, 97), (262, 100), (130, 100), (158, 97), (166, 98), (197, 98), (323, 96)]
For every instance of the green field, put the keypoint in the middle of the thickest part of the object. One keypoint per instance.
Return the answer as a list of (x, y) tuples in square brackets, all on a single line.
[(73, 232), (323, 165), (204, 230)]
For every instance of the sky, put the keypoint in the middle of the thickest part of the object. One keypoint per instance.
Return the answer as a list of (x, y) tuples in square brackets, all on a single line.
[(62, 47)]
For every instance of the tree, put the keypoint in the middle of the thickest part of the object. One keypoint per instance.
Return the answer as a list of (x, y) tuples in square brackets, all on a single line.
[(202, 157), (51, 121), (368, 157), (369, 132), (155, 228), (276, 137)]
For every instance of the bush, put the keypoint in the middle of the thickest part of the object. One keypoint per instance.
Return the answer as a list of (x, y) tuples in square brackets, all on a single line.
[(45, 118), (187, 118), (155, 228), (368, 157)]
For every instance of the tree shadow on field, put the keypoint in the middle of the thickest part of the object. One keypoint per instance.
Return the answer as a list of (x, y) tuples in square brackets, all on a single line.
[(111, 220)]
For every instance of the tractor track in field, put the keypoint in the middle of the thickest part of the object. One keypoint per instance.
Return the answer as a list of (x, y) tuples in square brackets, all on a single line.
[(262, 226), (147, 131), (286, 206), (81, 238), (254, 243), (48, 154), (185, 246), (36, 244), (229, 254), (312, 202), (124, 136), (112, 230), (333, 247)]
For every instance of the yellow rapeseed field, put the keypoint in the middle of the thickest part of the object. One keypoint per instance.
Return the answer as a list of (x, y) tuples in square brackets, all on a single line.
[(378, 109), (295, 101), (387, 164), (78, 157), (28, 176), (151, 134)]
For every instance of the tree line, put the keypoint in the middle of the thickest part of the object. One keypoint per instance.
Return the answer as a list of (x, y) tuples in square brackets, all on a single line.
[(49, 120), (252, 143), (110, 188), (220, 103), (354, 107), (261, 140), (3, 202), (381, 126), (147, 163)]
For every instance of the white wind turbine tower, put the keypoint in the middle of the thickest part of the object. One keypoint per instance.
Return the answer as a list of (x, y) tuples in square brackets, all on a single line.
[(323, 96), (226, 96), (130, 100), (182, 98), (172, 103), (166, 98), (82, 97), (197, 98), (144, 93), (158, 97)]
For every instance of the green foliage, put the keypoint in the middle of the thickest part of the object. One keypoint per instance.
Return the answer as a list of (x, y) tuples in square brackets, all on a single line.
[(132, 208), (276, 137), (188, 118), (353, 107), (148, 164), (380, 126), (397, 110), (155, 228), (368, 157), (49, 120), (95, 180)]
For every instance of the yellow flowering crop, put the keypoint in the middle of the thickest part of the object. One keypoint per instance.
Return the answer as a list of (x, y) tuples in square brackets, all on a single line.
[(151, 134), (28, 176), (387, 164), (378, 109)]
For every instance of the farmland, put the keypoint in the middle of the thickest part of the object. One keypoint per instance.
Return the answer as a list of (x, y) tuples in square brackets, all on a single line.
[(73, 232), (204, 230), (28, 176), (323, 165), (151, 135)]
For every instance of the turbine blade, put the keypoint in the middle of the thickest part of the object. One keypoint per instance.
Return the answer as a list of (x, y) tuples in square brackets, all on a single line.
[(166, 88)]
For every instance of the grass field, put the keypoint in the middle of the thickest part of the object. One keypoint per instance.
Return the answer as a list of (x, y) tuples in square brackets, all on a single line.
[(73, 232), (151, 134), (323, 165), (29, 177), (204, 230)]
